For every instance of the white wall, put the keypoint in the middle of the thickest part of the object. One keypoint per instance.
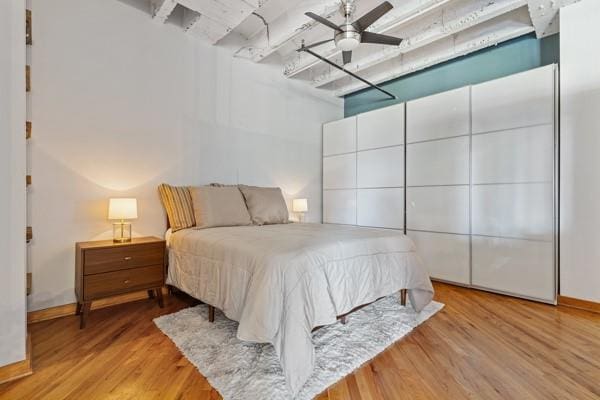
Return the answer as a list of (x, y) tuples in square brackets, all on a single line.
[(121, 104), (12, 181), (580, 148)]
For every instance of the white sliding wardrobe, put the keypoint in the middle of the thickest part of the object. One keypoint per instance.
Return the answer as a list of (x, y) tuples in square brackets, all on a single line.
[(468, 174)]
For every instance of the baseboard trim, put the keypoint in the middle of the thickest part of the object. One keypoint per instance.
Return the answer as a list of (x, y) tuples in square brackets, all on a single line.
[(70, 309), (579, 303), (20, 369)]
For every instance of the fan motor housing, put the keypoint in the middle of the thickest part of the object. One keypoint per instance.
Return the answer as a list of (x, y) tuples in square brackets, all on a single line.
[(348, 39)]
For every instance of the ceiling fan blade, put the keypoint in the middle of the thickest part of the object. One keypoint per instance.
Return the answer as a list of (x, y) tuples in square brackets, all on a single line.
[(370, 37), (346, 57), (310, 46), (323, 21), (366, 20)]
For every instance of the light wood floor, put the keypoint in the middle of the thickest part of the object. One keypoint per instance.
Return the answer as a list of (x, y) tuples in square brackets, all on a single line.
[(480, 346)]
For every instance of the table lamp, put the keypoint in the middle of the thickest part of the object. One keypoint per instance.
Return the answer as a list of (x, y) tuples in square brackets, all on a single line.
[(121, 210), (300, 206)]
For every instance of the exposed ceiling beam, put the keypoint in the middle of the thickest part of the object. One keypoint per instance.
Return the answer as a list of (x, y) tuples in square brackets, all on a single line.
[(478, 38), (286, 27), (208, 19), (229, 13), (544, 15), (392, 20), (485, 11), (203, 27), (161, 9)]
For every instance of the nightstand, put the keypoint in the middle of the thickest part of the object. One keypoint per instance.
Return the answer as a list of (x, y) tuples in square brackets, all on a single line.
[(105, 269)]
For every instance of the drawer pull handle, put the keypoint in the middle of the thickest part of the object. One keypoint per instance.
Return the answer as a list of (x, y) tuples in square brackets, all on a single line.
[(126, 281), (127, 258)]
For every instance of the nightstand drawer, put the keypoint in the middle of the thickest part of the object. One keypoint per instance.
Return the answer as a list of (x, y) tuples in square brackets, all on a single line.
[(112, 283), (124, 257)]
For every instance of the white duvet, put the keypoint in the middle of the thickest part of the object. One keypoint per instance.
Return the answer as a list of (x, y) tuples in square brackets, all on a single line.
[(281, 281)]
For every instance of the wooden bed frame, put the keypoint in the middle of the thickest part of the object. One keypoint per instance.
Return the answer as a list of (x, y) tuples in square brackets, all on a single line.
[(341, 318)]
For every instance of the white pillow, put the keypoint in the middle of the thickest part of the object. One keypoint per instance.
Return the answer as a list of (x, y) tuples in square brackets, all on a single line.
[(266, 205), (219, 206)]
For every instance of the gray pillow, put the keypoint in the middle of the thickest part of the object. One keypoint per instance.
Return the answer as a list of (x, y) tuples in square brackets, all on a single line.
[(266, 205), (219, 206)]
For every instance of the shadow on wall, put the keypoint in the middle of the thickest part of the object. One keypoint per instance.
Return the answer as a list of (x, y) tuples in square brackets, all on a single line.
[(67, 207)]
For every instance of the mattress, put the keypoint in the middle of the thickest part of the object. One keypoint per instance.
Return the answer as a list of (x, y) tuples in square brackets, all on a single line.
[(281, 281)]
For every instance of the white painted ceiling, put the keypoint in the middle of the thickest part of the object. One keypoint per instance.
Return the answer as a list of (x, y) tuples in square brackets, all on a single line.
[(434, 31)]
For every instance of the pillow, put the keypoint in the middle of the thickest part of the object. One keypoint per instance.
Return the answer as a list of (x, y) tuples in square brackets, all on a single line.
[(177, 201), (219, 206), (266, 205)]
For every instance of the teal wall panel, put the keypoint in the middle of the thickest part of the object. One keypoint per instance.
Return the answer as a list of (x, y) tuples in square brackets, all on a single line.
[(513, 56)]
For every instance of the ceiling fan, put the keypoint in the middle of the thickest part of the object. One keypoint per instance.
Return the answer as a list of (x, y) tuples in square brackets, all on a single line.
[(352, 33)]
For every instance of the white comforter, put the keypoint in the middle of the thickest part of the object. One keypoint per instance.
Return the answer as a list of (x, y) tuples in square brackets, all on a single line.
[(281, 281)]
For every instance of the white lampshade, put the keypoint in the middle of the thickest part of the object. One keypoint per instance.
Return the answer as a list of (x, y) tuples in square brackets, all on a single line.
[(300, 205), (122, 209)]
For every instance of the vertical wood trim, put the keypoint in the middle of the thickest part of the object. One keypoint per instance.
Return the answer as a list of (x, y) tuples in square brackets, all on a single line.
[(29, 283), (28, 130), (29, 234), (27, 78), (28, 36), (20, 369), (28, 180)]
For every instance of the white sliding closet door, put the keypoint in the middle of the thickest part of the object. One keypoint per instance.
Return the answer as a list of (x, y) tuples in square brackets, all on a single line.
[(380, 168), (339, 172), (513, 186), (437, 182)]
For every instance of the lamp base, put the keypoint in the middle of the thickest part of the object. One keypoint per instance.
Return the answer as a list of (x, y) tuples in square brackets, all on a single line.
[(121, 232)]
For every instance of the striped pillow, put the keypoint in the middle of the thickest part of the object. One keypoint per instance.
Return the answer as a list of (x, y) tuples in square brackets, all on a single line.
[(177, 201)]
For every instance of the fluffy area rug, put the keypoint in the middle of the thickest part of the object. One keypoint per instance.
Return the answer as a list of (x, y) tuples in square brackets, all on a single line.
[(241, 370)]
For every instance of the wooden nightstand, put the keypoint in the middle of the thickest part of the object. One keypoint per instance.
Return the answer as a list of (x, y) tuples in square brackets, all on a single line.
[(104, 269)]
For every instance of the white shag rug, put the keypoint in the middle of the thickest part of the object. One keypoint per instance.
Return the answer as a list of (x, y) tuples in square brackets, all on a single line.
[(247, 371)]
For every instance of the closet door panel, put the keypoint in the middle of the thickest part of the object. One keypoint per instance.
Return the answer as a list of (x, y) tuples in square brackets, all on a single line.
[(445, 256), (514, 210), (515, 101), (339, 172), (440, 162), (382, 208), (381, 167), (381, 128), (519, 155), (438, 209), (438, 116), (339, 207), (339, 136), (522, 267)]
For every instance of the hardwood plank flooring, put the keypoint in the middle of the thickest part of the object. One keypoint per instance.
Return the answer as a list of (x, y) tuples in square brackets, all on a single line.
[(480, 346)]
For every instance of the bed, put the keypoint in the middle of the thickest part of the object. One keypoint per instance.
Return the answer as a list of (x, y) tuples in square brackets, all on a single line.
[(281, 281)]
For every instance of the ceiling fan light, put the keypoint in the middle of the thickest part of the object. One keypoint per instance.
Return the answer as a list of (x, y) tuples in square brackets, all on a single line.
[(347, 44)]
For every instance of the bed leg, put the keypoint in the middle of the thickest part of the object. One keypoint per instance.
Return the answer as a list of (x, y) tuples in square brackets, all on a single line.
[(211, 314), (403, 297), (343, 320)]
